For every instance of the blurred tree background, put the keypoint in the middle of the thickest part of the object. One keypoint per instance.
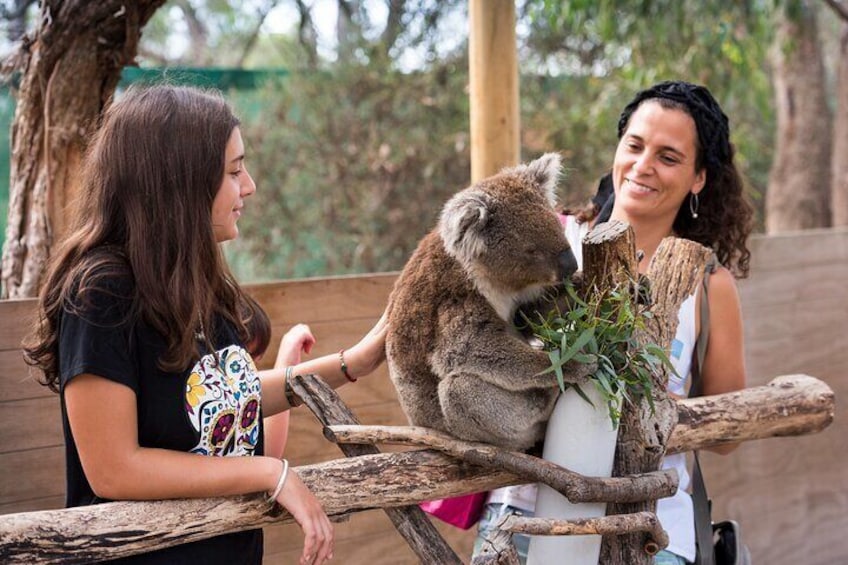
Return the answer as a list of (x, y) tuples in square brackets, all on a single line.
[(357, 144)]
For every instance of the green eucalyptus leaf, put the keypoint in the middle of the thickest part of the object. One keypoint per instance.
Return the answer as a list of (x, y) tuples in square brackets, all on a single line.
[(603, 329)]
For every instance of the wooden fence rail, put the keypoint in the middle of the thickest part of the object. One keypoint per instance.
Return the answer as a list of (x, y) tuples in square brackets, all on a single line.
[(790, 494)]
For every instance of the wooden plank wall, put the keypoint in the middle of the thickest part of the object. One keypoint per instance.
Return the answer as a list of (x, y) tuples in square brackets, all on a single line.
[(790, 494)]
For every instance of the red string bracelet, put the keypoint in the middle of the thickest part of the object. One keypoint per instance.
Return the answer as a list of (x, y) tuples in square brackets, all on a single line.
[(344, 367)]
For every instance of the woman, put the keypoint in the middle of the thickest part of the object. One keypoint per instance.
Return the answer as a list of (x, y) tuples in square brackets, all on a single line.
[(673, 174), (142, 328)]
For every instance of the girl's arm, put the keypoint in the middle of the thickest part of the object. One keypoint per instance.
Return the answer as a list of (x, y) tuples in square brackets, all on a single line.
[(724, 363), (297, 340), (104, 422), (361, 360)]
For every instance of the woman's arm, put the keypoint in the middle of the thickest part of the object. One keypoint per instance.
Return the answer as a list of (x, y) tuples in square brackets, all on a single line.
[(361, 360), (104, 422), (724, 363)]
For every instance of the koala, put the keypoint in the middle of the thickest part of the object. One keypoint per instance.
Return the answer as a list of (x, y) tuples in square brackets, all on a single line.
[(454, 356)]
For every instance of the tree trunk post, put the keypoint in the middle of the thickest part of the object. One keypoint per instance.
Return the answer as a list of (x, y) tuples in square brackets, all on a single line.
[(839, 160), (674, 273), (69, 69), (799, 180)]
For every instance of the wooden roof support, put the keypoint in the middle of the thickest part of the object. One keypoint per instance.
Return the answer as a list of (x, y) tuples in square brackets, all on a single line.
[(493, 72)]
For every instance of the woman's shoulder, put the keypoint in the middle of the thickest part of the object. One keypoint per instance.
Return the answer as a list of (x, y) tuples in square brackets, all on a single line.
[(722, 288), (723, 277)]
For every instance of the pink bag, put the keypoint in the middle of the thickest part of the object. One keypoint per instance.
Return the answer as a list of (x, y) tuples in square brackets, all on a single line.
[(460, 511)]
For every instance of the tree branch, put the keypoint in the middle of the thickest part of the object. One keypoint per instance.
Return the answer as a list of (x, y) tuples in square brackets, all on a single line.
[(839, 8), (411, 522), (574, 486), (261, 13), (618, 524), (120, 529)]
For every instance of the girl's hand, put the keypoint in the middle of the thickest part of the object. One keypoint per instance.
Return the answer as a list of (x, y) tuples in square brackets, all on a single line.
[(364, 357), (297, 340), (307, 512)]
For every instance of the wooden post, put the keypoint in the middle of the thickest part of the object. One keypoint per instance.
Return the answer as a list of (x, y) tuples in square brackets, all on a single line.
[(674, 273), (493, 72)]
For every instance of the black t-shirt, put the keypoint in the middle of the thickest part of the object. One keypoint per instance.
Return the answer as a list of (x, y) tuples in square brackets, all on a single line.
[(211, 408)]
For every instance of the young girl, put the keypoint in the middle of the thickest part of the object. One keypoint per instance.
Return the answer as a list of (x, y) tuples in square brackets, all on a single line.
[(142, 328)]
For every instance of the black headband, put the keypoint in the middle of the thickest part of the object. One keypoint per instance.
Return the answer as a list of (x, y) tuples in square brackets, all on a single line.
[(710, 121)]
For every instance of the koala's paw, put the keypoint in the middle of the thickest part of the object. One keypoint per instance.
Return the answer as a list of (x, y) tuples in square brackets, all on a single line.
[(572, 372), (577, 372), (577, 280)]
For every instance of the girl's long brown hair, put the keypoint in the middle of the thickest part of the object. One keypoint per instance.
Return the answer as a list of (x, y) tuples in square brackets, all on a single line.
[(148, 181)]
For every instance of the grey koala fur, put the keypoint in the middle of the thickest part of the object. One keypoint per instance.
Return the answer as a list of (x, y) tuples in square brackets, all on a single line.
[(454, 356)]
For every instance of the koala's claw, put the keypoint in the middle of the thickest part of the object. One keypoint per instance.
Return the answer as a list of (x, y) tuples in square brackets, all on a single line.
[(577, 279), (642, 290), (590, 368), (579, 372)]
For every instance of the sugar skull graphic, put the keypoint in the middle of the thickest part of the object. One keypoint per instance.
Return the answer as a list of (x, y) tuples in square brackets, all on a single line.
[(222, 394)]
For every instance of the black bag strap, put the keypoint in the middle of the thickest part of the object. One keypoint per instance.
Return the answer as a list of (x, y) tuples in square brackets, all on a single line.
[(700, 500)]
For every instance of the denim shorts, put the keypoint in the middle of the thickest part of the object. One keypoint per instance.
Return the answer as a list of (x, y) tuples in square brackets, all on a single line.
[(668, 558), (493, 512)]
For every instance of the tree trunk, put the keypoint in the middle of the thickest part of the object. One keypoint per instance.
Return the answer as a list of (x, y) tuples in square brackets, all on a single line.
[(69, 70), (799, 181), (839, 186), (674, 273)]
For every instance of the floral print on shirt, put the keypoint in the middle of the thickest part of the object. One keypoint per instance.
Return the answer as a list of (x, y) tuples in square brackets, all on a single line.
[(222, 396)]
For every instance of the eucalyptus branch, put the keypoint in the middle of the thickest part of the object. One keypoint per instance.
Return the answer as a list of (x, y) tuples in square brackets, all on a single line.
[(605, 327), (838, 7)]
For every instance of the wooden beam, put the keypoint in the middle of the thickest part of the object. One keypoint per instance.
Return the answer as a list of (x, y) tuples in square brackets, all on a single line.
[(493, 72)]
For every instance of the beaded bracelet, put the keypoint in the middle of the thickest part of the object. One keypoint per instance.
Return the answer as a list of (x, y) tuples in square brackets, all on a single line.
[(292, 398), (280, 482), (344, 368)]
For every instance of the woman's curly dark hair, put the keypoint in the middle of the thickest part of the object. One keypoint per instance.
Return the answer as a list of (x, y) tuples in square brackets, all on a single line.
[(725, 216)]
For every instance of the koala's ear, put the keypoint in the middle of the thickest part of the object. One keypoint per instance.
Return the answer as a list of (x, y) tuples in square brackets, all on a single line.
[(462, 222), (543, 173)]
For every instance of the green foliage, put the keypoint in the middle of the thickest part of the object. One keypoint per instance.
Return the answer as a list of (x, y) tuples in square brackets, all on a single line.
[(603, 328), (204, 32), (352, 167), (354, 159), (626, 46)]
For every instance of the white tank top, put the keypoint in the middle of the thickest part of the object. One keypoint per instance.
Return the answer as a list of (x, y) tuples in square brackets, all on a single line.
[(675, 513)]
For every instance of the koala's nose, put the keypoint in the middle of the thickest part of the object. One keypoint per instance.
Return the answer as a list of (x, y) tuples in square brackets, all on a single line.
[(567, 264)]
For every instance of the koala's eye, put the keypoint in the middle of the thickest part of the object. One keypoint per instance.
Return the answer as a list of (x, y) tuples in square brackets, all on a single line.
[(533, 251)]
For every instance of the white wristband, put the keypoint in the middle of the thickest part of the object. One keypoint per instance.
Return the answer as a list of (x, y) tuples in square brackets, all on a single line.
[(280, 483)]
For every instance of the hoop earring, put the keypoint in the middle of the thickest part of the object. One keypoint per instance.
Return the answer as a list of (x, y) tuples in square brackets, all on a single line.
[(694, 204)]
